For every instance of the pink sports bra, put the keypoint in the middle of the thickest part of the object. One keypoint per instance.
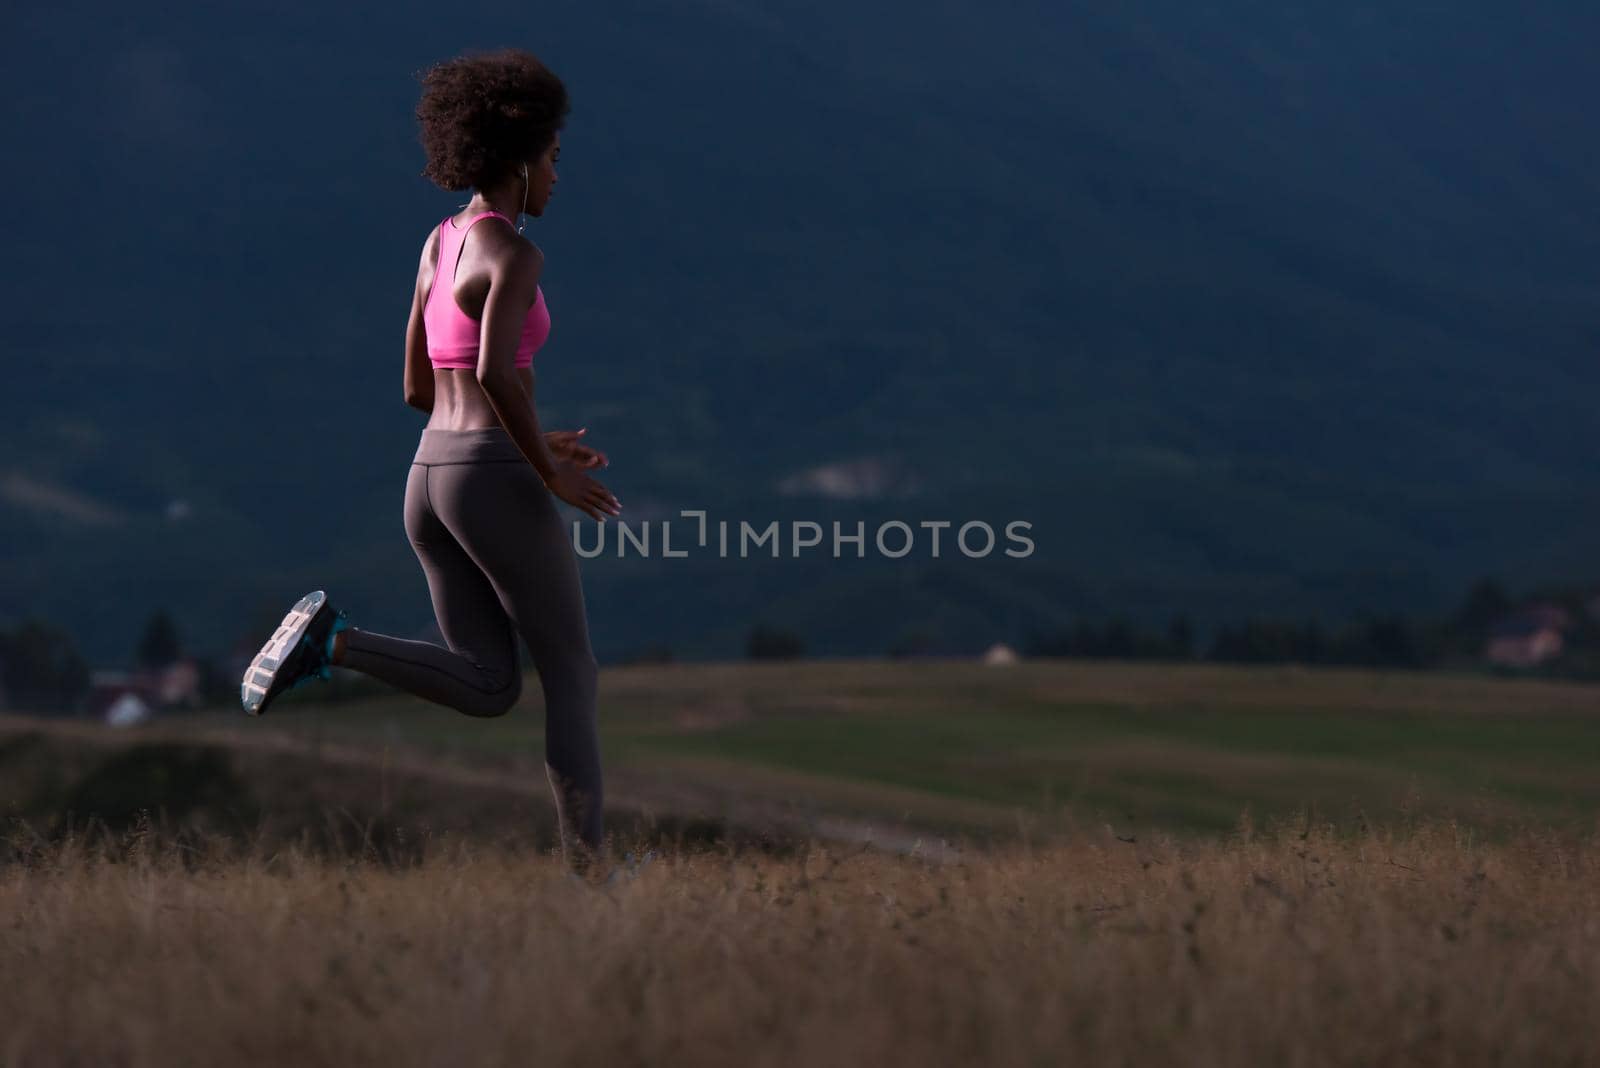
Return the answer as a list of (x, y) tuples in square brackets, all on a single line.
[(452, 336)]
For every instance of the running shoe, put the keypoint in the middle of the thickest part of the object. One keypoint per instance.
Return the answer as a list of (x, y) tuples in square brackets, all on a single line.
[(631, 865), (301, 649)]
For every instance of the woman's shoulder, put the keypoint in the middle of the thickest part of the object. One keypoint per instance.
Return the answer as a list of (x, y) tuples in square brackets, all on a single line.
[(524, 253), (515, 265), (527, 266), (506, 241), (430, 251)]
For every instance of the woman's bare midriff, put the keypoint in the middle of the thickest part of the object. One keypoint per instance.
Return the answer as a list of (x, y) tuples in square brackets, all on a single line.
[(459, 402)]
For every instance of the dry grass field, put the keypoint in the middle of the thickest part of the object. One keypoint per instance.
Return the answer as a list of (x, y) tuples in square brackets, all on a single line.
[(1422, 947), (860, 863)]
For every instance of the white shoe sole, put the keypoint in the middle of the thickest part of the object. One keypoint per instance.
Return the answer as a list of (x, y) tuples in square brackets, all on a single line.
[(263, 670)]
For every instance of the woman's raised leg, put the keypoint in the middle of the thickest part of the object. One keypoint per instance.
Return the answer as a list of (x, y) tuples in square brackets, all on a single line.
[(479, 673)]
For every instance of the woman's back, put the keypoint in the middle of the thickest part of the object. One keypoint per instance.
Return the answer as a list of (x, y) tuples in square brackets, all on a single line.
[(457, 279), (453, 331)]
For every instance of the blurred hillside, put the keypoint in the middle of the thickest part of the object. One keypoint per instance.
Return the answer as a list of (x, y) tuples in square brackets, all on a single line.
[(1253, 308)]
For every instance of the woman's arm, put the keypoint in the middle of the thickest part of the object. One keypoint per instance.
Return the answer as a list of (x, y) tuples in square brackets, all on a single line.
[(513, 287), (418, 381)]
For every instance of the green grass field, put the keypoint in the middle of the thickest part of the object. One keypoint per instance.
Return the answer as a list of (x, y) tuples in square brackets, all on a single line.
[(968, 748)]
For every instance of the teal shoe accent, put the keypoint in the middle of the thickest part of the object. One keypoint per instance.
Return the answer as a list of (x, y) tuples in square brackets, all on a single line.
[(321, 666), (318, 658), (316, 670), (339, 623)]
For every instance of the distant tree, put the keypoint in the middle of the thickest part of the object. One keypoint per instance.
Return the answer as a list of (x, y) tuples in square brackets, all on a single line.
[(1394, 642), (1082, 640), (218, 686), (1180, 638), (1268, 641), (1309, 644), (1040, 642), (767, 642), (1484, 603), (650, 653), (1116, 638), (1119, 638), (1385, 641), (41, 669), (916, 640), (159, 644), (1236, 642)]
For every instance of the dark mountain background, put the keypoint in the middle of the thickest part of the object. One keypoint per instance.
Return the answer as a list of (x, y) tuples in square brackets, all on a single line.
[(1248, 307)]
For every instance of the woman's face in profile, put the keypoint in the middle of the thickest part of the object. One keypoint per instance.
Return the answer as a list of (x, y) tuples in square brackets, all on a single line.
[(542, 177)]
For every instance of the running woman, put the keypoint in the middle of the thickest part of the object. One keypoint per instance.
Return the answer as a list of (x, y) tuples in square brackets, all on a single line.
[(480, 499)]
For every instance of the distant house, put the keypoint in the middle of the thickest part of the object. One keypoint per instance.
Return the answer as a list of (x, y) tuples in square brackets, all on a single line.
[(106, 688), (129, 710), (999, 655), (1528, 637), (176, 685)]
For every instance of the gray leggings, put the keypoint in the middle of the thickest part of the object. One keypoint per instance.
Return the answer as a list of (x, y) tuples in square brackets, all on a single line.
[(499, 564)]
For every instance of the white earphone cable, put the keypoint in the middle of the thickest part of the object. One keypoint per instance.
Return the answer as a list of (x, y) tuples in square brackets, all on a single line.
[(521, 222)]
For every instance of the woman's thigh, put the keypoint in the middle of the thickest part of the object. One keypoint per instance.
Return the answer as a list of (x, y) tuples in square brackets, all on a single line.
[(471, 617), (506, 522)]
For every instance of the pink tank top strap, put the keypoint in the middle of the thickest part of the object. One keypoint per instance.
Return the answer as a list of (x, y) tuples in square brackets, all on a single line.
[(453, 237), (475, 218)]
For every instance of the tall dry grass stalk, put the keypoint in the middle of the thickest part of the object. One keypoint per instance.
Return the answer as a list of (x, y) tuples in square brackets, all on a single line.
[(1421, 948)]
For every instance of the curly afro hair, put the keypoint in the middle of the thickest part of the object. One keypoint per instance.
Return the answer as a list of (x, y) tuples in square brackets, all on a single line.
[(484, 113)]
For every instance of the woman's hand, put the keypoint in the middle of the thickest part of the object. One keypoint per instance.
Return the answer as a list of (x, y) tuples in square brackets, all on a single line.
[(583, 492), (564, 445)]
